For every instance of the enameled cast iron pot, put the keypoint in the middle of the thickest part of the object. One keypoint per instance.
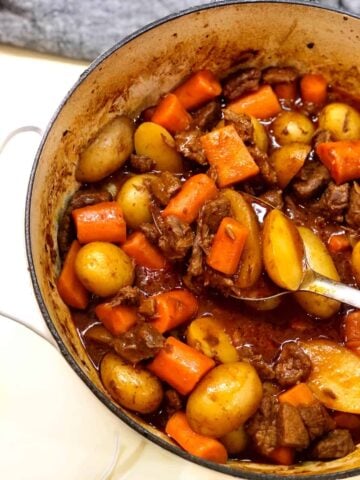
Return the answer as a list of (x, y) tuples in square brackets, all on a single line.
[(130, 77)]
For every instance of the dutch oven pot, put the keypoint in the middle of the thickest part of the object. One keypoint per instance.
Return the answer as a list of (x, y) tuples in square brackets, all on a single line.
[(131, 77)]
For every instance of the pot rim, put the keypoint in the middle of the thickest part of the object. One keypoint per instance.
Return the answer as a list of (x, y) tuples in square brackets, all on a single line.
[(221, 468)]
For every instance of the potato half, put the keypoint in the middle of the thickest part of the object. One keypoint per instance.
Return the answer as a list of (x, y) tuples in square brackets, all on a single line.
[(283, 251), (335, 375), (319, 260), (224, 399)]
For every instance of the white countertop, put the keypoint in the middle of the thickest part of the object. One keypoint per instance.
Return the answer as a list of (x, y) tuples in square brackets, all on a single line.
[(52, 426)]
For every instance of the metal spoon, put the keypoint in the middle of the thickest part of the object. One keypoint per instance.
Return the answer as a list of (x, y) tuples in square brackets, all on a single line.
[(312, 282)]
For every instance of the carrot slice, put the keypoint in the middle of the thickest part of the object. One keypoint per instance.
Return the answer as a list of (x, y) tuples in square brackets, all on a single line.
[(338, 243), (70, 289), (102, 222), (341, 158), (194, 193), (173, 308), (313, 88), (282, 455), (171, 115), (116, 319), (261, 104), (138, 247), (226, 151), (227, 246), (300, 394), (198, 89), (178, 428), (286, 91), (180, 366)]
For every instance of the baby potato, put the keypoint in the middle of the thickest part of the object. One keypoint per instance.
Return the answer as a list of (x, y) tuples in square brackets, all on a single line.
[(290, 127), (131, 387), (261, 138), (319, 260), (107, 152), (283, 251), (288, 160), (235, 441), (251, 261), (208, 335), (155, 142), (335, 373), (103, 268), (135, 199), (224, 399), (342, 120), (355, 262)]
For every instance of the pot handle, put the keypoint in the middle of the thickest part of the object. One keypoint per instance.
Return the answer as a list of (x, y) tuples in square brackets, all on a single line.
[(17, 299)]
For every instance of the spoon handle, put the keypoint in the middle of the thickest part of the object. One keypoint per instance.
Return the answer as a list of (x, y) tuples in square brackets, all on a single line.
[(331, 289)]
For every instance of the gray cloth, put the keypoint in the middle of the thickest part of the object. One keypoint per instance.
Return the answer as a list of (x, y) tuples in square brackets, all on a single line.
[(84, 28)]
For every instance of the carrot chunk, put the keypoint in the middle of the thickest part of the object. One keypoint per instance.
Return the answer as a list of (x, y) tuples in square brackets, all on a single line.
[(338, 243), (102, 222), (138, 247), (300, 394), (171, 115), (227, 246), (313, 88), (341, 158), (208, 448), (286, 90), (198, 89), (282, 455), (226, 151), (173, 308), (261, 104), (194, 193), (70, 289), (116, 319), (352, 327), (180, 366)]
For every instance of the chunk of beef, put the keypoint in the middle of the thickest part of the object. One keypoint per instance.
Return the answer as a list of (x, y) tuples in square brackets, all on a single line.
[(291, 429), (311, 180), (262, 427), (147, 306), (219, 282), (279, 75), (333, 201), (336, 444), (150, 231), (240, 82), (176, 237), (316, 419), (242, 124), (246, 352), (274, 198), (206, 117), (81, 198), (189, 145), (173, 402), (163, 187), (321, 136), (353, 213), (139, 343), (142, 163), (126, 296), (292, 366), (266, 170), (151, 282)]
